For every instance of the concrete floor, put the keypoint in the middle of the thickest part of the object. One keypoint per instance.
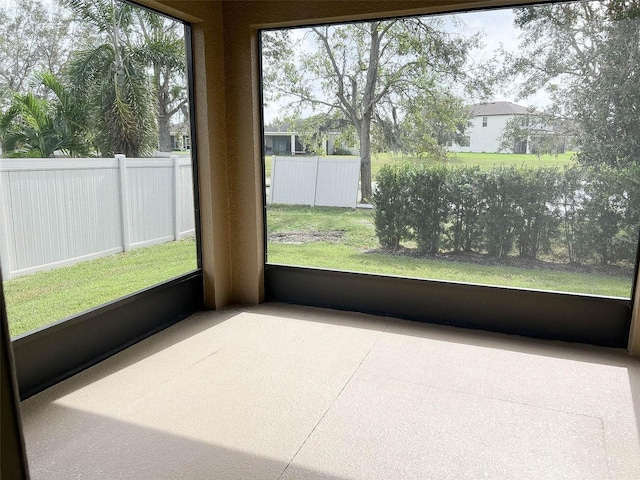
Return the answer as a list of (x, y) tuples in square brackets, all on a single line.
[(283, 392)]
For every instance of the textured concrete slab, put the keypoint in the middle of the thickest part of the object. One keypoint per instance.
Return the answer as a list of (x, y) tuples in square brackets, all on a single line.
[(390, 429), (277, 391)]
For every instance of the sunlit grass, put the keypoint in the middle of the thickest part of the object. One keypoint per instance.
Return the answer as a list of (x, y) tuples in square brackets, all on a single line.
[(355, 252), (483, 160), (45, 297)]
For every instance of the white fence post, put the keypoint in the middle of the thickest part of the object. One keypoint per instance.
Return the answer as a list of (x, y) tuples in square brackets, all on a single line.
[(124, 202), (176, 196), (273, 175), (315, 182), (5, 257)]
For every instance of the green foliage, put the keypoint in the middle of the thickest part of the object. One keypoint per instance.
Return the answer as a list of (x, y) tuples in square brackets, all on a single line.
[(500, 189), (369, 75), (431, 122), (569, 202), (536, 132), (584, 54), (162, 48), (538, 223), (37, 127), (111, 77), (357, 252), (35, 36), (389, 199), (604, 209), (427, 205), (466, 204), (585, 214)]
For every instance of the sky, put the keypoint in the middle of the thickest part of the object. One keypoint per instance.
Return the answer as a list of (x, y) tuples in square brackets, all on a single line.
[(496, 27), (498, 31)]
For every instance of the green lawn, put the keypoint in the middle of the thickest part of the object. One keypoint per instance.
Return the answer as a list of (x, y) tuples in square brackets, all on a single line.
[(353, 253), (484, 160), (45, 297)]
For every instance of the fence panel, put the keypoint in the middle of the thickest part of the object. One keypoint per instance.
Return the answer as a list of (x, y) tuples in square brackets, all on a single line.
[(56, 212), (150, 184), (337, 183), (315, 181), (293, 180), (186, 213)]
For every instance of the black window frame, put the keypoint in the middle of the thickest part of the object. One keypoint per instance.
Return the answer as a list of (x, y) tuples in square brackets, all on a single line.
[(57, 351), (571, 317)]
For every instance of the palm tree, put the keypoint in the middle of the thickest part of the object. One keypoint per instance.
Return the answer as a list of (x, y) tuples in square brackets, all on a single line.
[(163, 51), (112, 77), (37, 127)]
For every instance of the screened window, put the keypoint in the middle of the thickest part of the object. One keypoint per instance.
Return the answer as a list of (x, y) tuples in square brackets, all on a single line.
[(96, 169), (388, 185)]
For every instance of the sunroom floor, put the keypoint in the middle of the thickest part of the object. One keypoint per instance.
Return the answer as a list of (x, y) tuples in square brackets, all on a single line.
[(285, 392)]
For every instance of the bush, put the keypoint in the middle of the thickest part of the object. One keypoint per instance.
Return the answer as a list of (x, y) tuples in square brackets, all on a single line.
[(465, 206), (390, 200), (427, 206), (603, 213), (538, 225), (592, 213), (500, 220), (569, 204)]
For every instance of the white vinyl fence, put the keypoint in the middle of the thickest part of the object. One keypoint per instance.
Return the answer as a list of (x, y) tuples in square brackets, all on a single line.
[(316, 181), (57, 212)]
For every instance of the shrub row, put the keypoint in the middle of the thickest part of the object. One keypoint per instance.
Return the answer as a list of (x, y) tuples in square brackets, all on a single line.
[(579, 214)]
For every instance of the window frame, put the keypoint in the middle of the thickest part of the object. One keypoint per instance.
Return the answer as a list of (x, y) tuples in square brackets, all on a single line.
[(591, 319), (53, 353)]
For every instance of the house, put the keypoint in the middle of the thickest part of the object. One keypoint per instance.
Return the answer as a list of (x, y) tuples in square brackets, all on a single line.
[(232, 271), (488, 121), (180, 138), (279, 138)]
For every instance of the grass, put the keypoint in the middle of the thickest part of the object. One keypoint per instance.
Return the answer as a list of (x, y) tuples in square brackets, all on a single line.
[(352, 253), (484, 160), (36, 300), (45, 297)]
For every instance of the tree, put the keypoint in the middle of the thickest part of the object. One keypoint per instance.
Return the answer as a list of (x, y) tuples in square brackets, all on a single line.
[(432, 122), (536, 132), (32, 40), (585, 55), (111, 75), (163, 49), (38, 127), (357, 68)]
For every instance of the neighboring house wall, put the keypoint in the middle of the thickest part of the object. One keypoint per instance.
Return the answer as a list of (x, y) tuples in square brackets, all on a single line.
[(484, 138), (278, 140), (487, 124), (280, 144)]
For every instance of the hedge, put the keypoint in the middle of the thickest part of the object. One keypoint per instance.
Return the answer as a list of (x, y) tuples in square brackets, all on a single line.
[(578, 214)]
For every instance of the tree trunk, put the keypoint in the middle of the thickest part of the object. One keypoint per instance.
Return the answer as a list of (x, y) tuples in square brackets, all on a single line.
[(164, 134), (365, 158)]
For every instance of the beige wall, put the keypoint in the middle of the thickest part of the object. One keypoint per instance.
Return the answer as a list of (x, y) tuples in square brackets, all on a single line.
[(227, 108)]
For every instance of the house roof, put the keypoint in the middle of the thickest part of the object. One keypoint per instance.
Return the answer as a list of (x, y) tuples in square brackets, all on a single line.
[(283, 128), (182, 127), (497, 108)]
